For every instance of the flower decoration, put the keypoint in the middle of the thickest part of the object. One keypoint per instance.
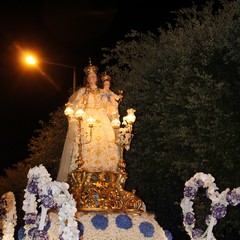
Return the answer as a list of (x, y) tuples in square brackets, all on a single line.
[(146, 229), (8, 216), (81, 229), (100, 222), (124, 137), (123, 221), (21, 233), (168, 234), (219, 203), (120, 226), (51, 195)]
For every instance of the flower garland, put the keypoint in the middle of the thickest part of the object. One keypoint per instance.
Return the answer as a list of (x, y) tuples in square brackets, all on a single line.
[(119, 226), (124, 137), (8, 216), (51, 195), (219, 204)]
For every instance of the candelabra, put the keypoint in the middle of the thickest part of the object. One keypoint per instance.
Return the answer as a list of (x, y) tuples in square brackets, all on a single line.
[(79, 115), (123, 135)]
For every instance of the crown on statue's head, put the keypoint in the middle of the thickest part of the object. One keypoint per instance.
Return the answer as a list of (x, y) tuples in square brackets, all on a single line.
[(105, 77), (90, 68)]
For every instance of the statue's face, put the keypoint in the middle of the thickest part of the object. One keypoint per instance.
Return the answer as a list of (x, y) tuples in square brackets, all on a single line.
[(92, 78), (106, 84)]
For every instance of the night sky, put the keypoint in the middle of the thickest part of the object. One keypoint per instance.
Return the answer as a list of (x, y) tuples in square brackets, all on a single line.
[(67, 32)]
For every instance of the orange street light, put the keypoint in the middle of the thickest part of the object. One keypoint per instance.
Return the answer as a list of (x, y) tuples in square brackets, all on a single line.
[(31, 60)]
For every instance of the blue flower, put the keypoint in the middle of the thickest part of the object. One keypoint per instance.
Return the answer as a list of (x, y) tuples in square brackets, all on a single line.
[(47, 226), (100, 222), (147, 229), (21, 233), (123, 221), (168, 235), (80, 228)]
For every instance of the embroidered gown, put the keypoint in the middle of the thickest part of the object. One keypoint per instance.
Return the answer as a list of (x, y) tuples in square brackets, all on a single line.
[(101, 154)]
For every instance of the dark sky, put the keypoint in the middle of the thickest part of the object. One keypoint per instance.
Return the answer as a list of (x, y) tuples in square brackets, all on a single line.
[(67, 32)]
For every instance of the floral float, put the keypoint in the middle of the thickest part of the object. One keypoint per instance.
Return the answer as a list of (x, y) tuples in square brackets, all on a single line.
[(219, 203)]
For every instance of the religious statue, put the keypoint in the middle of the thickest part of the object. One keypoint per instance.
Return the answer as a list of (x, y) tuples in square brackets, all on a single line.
[(100, 153)]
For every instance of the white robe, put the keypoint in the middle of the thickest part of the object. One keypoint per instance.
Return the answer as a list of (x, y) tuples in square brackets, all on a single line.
[(101, 154)]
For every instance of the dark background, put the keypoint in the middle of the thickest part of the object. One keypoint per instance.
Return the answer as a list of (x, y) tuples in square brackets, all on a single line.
[(67, 32)]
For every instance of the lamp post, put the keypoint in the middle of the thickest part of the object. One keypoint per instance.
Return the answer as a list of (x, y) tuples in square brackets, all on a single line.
[(32, 61)]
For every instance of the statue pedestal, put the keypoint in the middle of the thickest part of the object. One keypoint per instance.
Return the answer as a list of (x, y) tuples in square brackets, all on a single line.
[(103, 191)]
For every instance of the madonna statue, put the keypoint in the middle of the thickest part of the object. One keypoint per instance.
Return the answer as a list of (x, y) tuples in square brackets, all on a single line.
[(96, 146)]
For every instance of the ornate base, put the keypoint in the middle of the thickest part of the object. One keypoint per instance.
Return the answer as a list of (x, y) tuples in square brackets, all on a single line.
[(103, 191)]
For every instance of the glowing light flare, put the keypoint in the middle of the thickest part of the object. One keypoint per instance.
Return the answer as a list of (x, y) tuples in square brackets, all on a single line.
[(115, 123), (79, 113), (68, 111), (91, 121), (30, 60), (130, 118)]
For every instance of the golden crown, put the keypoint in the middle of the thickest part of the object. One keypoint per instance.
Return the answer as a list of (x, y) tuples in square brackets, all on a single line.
[(90, 68), (105, 77)]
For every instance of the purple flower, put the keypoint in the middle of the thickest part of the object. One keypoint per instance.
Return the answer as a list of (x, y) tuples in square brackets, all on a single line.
[(219, 211), (30, 218), (189, 218), (199, 183), (47, 201), (233, 198), (196, 233), (100, 222), (34, 233), (190, 192), (147, 229), (33, 186), (123, 221)]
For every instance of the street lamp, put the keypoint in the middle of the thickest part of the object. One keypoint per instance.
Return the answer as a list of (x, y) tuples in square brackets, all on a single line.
[(32, 61)]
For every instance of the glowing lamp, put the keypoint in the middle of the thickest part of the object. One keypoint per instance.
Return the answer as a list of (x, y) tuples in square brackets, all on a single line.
[(91, 121), (115, 123), (79, 113), (68, 111), (130, 118)]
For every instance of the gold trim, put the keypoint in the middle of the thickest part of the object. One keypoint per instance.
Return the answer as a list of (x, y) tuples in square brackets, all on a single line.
[(103, 191)]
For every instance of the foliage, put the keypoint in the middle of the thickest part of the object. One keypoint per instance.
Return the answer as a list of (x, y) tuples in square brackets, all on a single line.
[(46, 147)]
